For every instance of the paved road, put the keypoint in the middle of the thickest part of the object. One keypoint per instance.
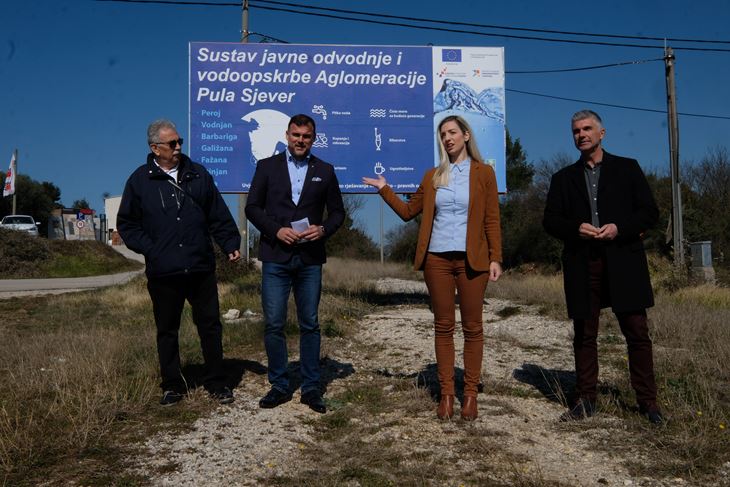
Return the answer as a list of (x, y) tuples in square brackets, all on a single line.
[(24, 287)]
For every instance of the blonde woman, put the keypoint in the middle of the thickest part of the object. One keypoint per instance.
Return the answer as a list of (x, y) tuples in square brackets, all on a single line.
[(459, 248)]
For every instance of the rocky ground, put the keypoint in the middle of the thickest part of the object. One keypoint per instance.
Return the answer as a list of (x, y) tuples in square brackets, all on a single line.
[(527, 363)]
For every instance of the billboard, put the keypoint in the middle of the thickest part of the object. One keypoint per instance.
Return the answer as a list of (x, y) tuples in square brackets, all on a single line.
[(376, 107)]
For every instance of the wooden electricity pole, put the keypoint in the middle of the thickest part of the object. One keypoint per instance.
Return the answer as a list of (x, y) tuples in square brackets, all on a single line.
[(673, 125), (243, 197)]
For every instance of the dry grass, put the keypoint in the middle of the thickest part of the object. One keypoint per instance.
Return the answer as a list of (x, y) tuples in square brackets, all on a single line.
[(79, 371), (692, 364), (532, 288), (382, 433), (354, 274)]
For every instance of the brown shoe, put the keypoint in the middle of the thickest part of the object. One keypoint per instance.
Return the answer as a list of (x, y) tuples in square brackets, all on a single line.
[(469, 410), (446, 407)]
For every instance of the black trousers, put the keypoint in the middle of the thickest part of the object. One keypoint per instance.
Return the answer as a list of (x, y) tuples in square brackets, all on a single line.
[(168, 296), (635, 330)]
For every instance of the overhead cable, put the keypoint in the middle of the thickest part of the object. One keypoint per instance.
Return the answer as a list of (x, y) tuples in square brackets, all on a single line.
[(488, 26), (699, 115)]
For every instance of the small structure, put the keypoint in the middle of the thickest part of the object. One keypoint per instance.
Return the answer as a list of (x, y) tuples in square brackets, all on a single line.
[(702, 261), (111, 206), (72, 224)]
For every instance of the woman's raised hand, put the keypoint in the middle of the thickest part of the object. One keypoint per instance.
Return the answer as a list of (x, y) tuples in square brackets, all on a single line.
[(376, 183)]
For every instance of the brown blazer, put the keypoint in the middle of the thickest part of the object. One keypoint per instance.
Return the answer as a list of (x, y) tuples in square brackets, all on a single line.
[(483, 233)]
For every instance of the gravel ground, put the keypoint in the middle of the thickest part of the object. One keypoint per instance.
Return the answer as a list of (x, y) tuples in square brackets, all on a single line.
[(244, 445)]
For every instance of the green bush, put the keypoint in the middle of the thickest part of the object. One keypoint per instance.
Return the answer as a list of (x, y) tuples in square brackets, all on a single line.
[(21, 254)]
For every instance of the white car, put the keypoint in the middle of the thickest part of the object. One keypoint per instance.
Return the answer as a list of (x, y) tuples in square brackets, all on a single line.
[(24, 223)]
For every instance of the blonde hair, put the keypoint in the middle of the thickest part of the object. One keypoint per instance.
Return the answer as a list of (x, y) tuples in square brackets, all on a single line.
[(441, 176)]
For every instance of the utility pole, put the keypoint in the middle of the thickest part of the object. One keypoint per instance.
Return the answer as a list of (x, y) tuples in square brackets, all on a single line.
[(243, 197), (15, 178), (673, 125)]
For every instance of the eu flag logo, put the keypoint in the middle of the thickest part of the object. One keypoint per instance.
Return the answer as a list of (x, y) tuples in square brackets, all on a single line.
[(451, 55)]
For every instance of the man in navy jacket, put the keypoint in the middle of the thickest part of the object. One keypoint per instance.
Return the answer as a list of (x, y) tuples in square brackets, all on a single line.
[(288, 196), (170, 209), (600, 207)]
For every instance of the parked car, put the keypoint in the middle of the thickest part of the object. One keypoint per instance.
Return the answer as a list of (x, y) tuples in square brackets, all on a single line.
[(23, 223)]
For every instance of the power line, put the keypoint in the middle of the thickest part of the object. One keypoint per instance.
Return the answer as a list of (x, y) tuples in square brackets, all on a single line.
[(625, 107), (488, 26), (441, 29), (586, 68), (175, 2), (265, 37), (484, 34)]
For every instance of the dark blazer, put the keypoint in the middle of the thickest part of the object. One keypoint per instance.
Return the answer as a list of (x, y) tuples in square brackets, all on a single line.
[(483, 232), (624, 198), (270, 207), (172, 227)]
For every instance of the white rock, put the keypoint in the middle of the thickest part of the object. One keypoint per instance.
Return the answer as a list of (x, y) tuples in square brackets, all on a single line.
[(232, 314)]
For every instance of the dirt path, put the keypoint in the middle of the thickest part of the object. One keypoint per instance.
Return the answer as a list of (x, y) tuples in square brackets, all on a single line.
[(527, 358)]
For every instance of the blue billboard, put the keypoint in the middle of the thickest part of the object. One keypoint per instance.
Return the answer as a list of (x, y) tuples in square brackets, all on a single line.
[(376, 107)]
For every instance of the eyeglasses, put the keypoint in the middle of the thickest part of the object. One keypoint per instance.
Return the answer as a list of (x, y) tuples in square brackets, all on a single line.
[(172, 144)]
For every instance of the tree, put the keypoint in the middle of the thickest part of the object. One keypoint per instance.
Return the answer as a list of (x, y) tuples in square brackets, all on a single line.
[(350, 240), (709, 198), (34, 199), (81, 204), (401, 241), (523, 238), (519, 170)]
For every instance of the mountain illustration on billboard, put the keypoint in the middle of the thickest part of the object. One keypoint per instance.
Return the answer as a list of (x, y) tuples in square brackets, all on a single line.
[(458, 96)]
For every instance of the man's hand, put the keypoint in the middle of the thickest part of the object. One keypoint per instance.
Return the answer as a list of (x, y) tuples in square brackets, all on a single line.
[(288, 235), (588, 231), (234, 256), (608, 231), (314, 232)]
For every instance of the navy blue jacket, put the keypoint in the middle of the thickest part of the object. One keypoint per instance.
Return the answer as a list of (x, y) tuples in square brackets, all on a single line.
[(173, 228), (270, 207)]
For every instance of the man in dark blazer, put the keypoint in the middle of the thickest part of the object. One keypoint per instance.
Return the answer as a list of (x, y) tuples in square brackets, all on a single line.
[(600, 207), (288, 196)]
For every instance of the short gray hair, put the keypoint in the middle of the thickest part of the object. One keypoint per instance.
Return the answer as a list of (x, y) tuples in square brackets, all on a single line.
[(583, 114), (153, 131)]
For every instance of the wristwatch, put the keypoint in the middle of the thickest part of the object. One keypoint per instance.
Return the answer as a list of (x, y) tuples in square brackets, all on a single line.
[(321, 227)]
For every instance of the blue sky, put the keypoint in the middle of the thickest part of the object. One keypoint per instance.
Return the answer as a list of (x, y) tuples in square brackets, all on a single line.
[(82, 79)]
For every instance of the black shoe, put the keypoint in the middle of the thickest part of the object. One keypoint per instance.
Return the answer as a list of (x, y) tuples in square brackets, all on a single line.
[(223, 395), (583, 409), (274, 398), (170, 397), (314, 400), (653, 414)]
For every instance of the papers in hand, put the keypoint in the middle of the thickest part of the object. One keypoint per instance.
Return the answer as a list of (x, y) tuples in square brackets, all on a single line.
[(299, 226)]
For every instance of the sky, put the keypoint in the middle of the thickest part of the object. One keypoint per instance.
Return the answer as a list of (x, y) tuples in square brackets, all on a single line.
[(80, 80)]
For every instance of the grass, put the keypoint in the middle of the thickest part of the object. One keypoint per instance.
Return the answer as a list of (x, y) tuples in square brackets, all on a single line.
[(80, 384), (23, 256), (79, 371), (690, 328)]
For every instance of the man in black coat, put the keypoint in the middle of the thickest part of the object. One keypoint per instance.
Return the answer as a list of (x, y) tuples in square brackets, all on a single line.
[(288, 196), (600, 207), (170, 209)]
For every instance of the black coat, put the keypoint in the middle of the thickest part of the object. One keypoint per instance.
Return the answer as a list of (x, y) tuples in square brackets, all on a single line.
[(270, 207), (173, 228), (624, 198)]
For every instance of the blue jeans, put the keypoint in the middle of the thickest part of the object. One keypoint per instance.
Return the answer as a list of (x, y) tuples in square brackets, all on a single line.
[(276, 283)]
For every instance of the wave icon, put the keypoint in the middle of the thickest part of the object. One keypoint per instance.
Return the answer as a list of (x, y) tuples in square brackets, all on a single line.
[(377, 112)]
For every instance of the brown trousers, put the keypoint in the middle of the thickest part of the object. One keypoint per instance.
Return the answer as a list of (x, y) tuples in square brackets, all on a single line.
[(445, 272), (635, 330)]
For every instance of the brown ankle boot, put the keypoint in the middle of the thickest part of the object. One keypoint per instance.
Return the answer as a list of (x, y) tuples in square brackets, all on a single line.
[(469, 410), (446, 407)]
